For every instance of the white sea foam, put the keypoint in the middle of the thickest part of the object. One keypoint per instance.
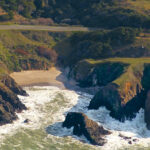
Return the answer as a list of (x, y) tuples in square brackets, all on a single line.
[(60, 102), (37, 98)]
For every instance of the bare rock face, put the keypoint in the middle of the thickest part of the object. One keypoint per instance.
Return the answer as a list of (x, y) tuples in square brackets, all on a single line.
[(9, 101), (147, 110), (119, 89), (88, 75), (109, 97), (84, 126), (12, 85)]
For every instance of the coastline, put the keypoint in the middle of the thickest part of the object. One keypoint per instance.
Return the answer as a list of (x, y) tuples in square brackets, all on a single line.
[(52, 77)]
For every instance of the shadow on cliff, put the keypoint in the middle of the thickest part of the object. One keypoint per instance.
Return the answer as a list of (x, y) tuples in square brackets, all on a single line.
[(71, 84)]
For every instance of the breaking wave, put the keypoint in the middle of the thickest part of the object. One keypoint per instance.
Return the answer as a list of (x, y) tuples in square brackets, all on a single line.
[(47, 108)]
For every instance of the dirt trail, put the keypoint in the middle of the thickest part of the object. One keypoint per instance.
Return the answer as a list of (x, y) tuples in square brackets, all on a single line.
[(46, 28)]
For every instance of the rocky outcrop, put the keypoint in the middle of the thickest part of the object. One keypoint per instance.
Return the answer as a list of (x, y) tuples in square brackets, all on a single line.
[(123, 84), (87, 74), (84, 126), (12, 85), (9, 102), (26, 121), (7, 112), (147, 110), (109, 97)]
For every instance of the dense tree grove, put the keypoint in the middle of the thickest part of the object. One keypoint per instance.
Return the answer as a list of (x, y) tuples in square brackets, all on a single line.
[(99, 45), (99, 13), (25, 7)]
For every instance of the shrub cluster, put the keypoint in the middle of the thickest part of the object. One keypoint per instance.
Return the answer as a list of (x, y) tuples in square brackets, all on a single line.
[(99, 45), (47, 53), (21, 52)]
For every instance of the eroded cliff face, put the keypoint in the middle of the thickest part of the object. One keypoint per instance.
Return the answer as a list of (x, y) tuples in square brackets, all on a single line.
[(9, 101), (123, 85), (87, 74)]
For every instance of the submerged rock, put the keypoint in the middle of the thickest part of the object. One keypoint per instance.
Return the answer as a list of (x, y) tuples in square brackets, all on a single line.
[(130, 142), (26, 121), (125, 137), (84, 126)]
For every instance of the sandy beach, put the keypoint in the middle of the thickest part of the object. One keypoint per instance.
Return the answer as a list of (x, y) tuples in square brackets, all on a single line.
[(51, 77)]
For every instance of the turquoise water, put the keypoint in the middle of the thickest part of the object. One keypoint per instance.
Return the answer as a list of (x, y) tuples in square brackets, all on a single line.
[(47, 109)]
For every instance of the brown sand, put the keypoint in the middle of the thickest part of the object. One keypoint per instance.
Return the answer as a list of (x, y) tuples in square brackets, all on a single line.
[(53, 77)]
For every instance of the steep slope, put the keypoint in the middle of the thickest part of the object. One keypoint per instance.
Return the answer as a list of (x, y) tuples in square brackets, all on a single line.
[(9, 102), (126, 78), (123, 82), (22, 50)]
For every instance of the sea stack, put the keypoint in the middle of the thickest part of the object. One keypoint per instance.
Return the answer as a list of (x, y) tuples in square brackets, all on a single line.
[(84, 126)]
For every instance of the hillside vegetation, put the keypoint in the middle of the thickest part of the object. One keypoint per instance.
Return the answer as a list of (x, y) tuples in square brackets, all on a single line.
[(95, 13), (22, 50), (27, 50), (119, 42)]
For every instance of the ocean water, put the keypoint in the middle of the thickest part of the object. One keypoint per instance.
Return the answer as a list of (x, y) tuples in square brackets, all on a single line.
[(47, 108)]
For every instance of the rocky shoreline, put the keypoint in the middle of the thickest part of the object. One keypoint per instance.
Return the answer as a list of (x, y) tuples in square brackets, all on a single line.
[(105, 93), (9, 101), (122, 87)]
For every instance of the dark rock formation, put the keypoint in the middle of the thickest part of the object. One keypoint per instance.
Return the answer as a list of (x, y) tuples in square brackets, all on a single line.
[(147, 110), (121, 85), (12, 85), (7, 112), (84, 126), (130, 142), (90, 75), (125, 137), (26, 121), (9, 102), (107, 96), (121, 109)]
